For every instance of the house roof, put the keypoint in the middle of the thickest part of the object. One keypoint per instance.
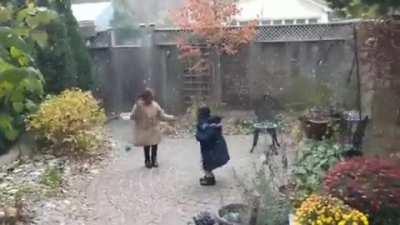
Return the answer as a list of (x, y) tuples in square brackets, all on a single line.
[(281, 9), (320, 3)]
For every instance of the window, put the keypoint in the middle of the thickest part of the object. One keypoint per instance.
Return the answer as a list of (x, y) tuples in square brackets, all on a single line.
[(277, 22), (243, 23), (289, 22), (313, 21), (266, 22), (234, 23), (300, 21)]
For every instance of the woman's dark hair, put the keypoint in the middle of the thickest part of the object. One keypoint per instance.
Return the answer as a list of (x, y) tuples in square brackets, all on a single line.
[(203, 113), (147, 96)]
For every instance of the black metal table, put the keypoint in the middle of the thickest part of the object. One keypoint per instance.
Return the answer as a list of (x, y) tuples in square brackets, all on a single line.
[(265, 127)]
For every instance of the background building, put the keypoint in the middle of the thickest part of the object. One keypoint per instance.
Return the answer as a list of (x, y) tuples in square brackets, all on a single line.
[(278, 12)]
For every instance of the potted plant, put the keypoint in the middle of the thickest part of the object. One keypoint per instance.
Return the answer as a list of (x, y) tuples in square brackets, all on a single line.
[(235, 214), (315, 124)]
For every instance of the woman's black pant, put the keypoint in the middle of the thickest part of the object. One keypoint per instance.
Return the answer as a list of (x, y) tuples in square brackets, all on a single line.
[(153, 155)]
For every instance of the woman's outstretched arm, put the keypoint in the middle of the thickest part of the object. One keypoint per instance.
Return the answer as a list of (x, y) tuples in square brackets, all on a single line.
[(133, 112), (164, 116)]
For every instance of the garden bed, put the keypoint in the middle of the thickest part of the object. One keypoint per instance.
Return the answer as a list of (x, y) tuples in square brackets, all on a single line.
[(41, 189)]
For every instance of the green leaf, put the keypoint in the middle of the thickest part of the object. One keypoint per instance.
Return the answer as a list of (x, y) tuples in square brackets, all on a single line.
[(300, 171), (323, 162), (18, 107), (5, 14), (4, 65), (40, 37), (32, 22), (313, 181), (33, 85), (35, 73), (14, 75), (8, 39), (25, 13), (45, 16), (30, 105), (4, 54), (22, 58), (5, 88), (7, 128), (22, 31), (17, 96)]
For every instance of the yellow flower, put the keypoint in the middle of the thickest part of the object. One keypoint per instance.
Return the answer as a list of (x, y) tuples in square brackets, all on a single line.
[(322, 210)]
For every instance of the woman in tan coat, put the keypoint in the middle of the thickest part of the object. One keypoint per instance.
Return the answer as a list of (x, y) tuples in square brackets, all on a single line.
[(147, 115)]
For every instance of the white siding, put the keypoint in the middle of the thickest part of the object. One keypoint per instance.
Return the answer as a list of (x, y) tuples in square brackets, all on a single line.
[(273, 10)]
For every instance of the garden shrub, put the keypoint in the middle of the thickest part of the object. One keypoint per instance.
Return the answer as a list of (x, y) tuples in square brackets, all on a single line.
[(315, 159), (70, 123), (66, 62), (21, 83), (77, 45), (322, 210), (371, 185), (56, 60)]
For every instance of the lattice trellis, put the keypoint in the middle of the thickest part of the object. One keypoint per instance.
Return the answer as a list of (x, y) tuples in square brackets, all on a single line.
[(306, 32), (281, 33)]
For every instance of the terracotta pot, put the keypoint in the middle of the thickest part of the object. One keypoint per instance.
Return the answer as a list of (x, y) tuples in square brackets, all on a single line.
[(316, 129)]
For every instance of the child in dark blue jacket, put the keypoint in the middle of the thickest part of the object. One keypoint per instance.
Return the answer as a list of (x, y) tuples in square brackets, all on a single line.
[(214, 151)]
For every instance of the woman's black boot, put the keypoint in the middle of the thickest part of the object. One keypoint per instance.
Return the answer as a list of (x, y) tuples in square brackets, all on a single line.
[(154, 162), (147, 161)]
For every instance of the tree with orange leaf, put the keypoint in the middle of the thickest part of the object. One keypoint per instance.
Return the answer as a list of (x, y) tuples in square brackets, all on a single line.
[(208, 23)]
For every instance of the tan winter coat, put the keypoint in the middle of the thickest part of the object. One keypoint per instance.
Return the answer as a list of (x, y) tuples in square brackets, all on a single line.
[(146, 130)]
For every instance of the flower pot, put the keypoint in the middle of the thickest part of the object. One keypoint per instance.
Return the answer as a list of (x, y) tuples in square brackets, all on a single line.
[(234, 214), (316, 129)]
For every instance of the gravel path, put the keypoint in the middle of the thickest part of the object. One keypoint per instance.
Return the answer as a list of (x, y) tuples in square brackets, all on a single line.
[(127, 193)]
